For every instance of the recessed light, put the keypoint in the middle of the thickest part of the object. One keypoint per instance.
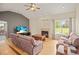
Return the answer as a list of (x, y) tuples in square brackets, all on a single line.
[(63, 7)]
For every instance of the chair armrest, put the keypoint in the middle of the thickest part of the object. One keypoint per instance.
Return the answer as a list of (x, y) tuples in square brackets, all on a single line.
[(62, 48), (73, 49), (64, 38)]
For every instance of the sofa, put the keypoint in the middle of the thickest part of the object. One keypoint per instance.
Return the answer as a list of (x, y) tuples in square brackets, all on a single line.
[(27, 43)]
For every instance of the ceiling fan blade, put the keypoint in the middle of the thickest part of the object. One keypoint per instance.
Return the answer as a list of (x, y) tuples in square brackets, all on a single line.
[(32, 7), (38, 8)]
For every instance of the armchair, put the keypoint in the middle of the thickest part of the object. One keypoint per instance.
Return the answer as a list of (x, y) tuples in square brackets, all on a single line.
[(72, 43)]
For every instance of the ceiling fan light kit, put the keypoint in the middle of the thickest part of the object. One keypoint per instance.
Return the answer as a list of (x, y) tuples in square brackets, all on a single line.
[(32, 7)]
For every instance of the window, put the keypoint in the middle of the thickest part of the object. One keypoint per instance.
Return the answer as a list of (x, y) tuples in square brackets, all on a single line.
[(62, 26)]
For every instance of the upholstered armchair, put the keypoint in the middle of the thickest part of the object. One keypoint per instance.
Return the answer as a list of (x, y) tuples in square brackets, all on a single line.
[(71, 42)]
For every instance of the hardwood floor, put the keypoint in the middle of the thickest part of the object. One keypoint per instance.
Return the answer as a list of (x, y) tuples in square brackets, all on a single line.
[(5, 49), (49, 48)]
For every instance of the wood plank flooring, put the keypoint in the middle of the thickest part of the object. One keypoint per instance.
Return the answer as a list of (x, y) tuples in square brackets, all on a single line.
[(5, 49), (49, 47)]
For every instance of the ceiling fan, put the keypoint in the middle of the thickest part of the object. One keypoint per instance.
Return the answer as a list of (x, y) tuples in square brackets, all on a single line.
[(32, 7)]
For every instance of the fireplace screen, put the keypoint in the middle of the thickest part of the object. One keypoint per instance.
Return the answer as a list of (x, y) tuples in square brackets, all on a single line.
[(45, 33)]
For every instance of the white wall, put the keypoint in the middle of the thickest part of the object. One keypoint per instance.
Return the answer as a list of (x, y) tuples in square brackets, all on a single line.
[(64, 15), (34, 26), (77, 19)]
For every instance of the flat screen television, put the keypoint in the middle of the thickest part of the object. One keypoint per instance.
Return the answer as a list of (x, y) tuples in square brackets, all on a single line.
[(22, 28)]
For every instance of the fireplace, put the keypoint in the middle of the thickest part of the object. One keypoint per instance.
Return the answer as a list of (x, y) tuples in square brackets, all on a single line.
[(45, 33)]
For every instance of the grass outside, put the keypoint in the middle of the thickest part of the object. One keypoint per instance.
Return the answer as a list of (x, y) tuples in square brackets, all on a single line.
[(64, 31)]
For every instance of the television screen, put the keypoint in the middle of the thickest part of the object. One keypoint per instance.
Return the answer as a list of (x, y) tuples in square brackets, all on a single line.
[(22, 28)]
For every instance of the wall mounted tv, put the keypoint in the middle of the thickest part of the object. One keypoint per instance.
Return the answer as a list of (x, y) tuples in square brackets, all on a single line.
[(22, 28)]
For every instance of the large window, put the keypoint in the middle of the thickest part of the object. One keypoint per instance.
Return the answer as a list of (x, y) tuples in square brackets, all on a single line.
[(62, 27)]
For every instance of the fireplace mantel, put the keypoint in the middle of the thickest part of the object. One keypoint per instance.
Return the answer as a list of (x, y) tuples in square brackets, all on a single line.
[(45, 29)]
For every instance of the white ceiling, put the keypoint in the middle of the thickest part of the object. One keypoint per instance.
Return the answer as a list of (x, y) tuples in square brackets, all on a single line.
[(46, 9)]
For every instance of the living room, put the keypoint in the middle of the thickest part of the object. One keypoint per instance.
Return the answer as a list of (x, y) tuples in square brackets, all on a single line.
[(41, 22)]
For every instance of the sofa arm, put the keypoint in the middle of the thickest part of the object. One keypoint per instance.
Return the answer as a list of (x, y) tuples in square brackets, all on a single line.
[(37, 42)]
